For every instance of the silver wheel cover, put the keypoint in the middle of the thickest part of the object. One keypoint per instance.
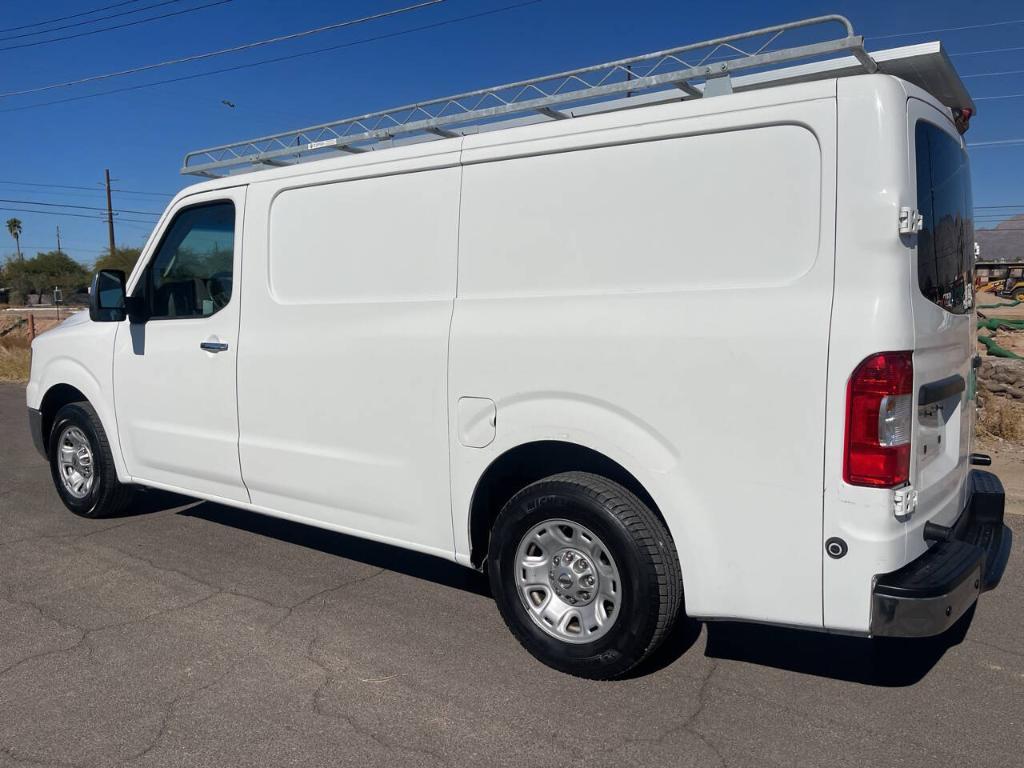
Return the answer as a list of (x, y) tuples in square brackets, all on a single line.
[(568, 581), (75, 462)]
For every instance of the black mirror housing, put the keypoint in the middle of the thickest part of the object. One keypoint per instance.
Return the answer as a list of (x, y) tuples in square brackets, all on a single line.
[(107, 297)]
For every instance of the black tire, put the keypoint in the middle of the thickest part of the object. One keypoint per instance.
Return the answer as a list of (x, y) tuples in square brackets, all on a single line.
[(106, 496), (639, 544)]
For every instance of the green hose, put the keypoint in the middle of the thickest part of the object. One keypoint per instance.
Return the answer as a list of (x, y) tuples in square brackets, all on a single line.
[(1003, 304), (997, 351), (995, 323)]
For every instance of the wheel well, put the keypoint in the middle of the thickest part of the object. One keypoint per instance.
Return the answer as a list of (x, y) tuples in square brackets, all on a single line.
[(56, 397), (525, 464)]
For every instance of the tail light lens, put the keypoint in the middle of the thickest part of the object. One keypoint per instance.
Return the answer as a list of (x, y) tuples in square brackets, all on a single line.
[(879, 398)]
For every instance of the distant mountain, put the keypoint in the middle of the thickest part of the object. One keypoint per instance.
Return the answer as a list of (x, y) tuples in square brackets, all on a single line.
[(1004, 243)]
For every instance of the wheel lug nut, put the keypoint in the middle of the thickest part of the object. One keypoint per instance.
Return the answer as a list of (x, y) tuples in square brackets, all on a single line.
[(581, 565), (584, 595), (568, 557), (555, 560)]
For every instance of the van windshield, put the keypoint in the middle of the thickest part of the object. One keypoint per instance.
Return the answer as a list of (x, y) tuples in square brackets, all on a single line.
[(945, 246)]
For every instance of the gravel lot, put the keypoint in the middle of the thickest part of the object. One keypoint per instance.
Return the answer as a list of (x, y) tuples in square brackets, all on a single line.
[(190, 634)]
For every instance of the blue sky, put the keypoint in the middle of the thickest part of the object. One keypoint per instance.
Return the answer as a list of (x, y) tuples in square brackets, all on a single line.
[(142, 135)]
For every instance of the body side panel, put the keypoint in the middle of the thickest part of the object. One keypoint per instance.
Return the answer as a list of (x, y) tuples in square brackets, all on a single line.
[(699, 370)]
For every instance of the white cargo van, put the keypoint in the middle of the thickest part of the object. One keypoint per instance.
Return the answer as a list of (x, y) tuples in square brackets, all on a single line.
[(613, 339)]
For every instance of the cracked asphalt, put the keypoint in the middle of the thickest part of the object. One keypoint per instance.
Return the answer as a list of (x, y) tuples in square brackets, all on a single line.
[(191, 634)]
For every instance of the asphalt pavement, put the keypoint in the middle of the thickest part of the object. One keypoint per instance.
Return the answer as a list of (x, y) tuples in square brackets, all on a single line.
[(191, 634)]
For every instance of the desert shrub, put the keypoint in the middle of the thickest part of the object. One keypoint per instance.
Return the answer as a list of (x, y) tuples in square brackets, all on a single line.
[(1003, 418), (14, 359)]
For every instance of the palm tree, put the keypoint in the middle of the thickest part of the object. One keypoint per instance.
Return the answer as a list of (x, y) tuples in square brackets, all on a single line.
[(14, 227)]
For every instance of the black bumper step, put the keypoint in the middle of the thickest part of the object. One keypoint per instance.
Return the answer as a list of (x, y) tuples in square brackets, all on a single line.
[(928, 595)]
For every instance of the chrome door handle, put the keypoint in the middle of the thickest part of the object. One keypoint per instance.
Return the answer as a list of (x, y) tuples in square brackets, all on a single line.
[(213, 346)]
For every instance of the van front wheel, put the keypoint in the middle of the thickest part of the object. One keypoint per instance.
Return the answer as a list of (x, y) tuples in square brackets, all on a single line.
[(82, 465), (584, 574)]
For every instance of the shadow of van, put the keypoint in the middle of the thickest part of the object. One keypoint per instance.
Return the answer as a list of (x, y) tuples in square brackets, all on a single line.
[(878, 662), (373, 553), (882, 662)]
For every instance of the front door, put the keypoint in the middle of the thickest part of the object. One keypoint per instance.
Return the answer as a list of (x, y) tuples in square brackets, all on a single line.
[(174, 365)]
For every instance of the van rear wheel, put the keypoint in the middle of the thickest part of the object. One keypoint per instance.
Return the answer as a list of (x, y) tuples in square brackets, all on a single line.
[(585, 575), (82, 465)]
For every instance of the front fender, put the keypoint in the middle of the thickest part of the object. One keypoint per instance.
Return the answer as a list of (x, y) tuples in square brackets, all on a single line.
[(89, 371)]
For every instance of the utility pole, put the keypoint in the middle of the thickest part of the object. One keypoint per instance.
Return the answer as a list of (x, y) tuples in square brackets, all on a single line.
[(58, 239), (110, 214)]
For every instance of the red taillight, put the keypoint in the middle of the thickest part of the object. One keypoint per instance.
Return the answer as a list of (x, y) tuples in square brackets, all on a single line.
[(879, 398)]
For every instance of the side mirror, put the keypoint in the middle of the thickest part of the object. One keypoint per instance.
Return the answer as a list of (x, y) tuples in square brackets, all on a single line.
[(107, 297)]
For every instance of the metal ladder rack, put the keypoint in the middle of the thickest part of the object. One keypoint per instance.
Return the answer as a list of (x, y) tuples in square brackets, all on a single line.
[(697, 70)]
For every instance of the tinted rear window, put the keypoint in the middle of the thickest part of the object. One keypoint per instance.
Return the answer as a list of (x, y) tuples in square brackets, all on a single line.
[(945, 247)]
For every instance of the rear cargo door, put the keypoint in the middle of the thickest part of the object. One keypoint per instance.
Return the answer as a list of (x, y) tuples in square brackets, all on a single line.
[(944, 321)]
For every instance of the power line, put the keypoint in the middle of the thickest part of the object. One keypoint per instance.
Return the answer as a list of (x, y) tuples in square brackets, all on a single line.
[(90, 21), (948, 29), (989, 50), (1001, 96), (123, 25), (89, 189), (68, 195), (995, 74), (72, 16), (1000, 142), (95, 217), (223, 70), (80, 207), (223, 51), (70, 246), (136, 192)]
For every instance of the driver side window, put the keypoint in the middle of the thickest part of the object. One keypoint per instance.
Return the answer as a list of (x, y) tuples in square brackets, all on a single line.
[(191, 273)]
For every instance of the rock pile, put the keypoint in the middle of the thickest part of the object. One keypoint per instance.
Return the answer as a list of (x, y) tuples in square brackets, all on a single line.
[(1001, 377)]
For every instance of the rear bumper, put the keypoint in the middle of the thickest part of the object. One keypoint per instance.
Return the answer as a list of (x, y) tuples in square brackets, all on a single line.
[(928, 595), (35, 426)]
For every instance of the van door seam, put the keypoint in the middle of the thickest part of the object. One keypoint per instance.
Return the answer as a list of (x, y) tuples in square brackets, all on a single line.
[(238, 335), (828, 356), (448, 362)]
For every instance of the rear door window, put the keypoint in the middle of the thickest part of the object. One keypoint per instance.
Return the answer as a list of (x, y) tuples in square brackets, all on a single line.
[(945, 246)]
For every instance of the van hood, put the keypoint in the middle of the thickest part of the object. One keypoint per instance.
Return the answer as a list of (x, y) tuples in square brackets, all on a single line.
[(77, 318)]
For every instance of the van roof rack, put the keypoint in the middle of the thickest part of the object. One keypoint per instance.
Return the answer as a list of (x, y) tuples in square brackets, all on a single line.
[(697, 70)]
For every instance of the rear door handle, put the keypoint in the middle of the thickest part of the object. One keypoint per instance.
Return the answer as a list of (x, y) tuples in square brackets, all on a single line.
[(940, 390), (213, 346)]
